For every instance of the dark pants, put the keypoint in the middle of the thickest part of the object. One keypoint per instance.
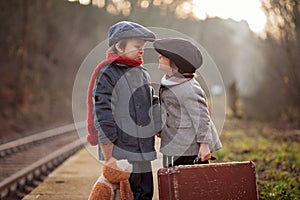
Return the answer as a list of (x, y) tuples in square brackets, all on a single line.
[(169, 161), (141, 180)]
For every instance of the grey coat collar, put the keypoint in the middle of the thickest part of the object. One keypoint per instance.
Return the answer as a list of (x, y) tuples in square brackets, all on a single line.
[(173, 80)]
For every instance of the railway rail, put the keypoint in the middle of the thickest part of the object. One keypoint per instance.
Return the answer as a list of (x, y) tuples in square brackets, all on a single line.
[(25, 162)]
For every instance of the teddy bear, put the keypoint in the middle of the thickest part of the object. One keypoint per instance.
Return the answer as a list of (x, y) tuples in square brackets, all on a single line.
[(113, 184)]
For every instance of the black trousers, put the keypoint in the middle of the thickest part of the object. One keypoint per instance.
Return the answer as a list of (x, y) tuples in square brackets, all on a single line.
[(141, 180), (170, 161)]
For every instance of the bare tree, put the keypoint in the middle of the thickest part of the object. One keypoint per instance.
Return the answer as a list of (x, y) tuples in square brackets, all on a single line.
[(283, 30), (23, 52)]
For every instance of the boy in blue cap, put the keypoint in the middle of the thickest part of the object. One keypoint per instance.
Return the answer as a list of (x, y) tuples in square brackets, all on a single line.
[(120, 106)]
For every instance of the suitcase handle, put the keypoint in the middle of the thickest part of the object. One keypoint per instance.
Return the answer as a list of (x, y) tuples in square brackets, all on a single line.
[(199, 161)]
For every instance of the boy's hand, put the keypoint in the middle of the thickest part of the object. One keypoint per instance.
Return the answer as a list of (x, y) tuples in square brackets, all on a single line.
[(111, 162), (107, 150), (204, 152)]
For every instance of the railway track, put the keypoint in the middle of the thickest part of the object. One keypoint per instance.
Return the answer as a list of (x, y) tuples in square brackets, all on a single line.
[(25, 162)]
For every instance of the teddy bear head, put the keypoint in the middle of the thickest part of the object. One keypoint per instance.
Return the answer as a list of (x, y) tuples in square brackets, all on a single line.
[(117, 171)]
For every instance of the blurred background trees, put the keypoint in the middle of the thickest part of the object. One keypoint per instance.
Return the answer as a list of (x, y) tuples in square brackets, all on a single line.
[(278, 97), (43, 44)]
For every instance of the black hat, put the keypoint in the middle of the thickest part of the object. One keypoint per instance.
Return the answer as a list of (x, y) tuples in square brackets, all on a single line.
[(126, 29), (182, 52)]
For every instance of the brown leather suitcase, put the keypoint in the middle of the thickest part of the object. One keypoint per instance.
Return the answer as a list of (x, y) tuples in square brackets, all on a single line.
[(234, 180)]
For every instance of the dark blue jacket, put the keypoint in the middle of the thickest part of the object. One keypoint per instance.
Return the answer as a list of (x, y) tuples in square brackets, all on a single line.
[(124, 109)]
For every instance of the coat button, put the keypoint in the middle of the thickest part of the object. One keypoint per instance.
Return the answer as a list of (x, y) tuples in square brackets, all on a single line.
[(167, 125)]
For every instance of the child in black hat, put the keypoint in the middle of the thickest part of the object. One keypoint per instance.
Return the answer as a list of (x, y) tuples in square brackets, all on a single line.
[(188, 134), (119, 95)]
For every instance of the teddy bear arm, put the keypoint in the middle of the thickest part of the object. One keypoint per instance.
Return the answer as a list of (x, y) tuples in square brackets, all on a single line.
[(125, 190)]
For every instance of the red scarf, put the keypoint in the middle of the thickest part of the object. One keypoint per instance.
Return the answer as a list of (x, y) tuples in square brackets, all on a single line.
[(92, 136)]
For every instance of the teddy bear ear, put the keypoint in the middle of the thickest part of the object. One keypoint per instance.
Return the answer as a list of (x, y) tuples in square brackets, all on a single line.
[(124, 165)]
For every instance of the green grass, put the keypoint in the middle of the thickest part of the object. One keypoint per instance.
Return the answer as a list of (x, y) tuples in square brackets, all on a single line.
[(276, 155)]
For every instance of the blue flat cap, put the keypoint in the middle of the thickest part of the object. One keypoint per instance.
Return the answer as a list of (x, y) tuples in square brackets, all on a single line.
[(126, 29)]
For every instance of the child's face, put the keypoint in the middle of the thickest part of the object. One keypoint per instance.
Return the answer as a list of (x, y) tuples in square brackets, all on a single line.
[(134, 49), (164, 65)]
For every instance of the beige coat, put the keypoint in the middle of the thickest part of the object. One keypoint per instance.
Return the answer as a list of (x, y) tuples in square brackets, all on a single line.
[(186, 119)]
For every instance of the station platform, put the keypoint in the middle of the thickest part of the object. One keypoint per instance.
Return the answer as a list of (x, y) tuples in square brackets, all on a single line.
[(74, 179)]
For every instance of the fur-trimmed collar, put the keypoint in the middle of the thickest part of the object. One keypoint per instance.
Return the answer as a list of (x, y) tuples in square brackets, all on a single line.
[(173, 80)]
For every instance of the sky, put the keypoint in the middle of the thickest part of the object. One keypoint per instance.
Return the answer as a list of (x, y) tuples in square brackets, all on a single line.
[(249, 10)]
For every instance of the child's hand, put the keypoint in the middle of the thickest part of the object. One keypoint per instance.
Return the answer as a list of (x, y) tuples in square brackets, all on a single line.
[(204, 152), (110, 161), (106, 149)]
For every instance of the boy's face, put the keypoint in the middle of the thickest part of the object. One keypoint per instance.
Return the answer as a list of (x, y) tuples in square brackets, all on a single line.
[(164, 65), (134, 49)]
